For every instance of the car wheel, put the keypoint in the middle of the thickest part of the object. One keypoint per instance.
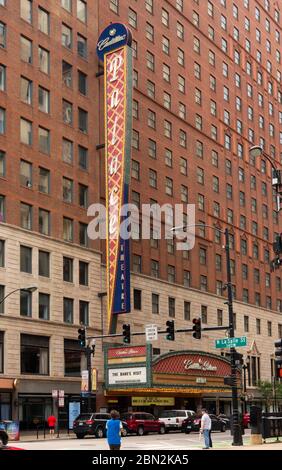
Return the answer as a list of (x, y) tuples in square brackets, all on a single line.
[(162, 430), (3, 440), (140, 431), (167, 430), (99, 433), (80, 436), (223, 428), (187, 431), (124, 432)]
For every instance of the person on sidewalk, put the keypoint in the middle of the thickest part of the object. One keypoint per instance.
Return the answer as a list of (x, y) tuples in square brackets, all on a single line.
[(51, 420), (205, 428), (114, 427)]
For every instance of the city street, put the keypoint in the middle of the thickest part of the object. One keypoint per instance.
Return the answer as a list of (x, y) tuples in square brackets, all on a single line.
[(172, 441)]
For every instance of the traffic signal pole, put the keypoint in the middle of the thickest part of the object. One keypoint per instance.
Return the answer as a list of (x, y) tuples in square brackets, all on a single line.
[(237, 433), (88, 352)]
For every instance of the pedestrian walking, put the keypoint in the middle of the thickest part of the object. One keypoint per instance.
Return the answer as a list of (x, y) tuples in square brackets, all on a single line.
[(51, 420), (114, 427), (205, 428)]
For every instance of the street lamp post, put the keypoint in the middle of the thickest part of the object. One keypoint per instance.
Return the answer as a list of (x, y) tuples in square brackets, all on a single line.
[(237, 432), (245, 367), (257, 152), (28, 289)]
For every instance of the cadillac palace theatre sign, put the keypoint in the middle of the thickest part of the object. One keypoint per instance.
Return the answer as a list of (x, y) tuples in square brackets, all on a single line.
[(113, 48)]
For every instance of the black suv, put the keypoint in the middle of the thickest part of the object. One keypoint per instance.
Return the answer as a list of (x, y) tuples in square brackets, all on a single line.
[(93, 424)]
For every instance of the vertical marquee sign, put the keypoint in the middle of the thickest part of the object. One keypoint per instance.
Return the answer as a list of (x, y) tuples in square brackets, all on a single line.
[(113, 48)]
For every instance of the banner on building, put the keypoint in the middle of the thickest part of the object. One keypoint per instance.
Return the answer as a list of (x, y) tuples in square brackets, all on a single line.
[(113, 48)]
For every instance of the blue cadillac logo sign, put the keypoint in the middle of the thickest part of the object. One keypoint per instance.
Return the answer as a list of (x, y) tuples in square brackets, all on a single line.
[(114, 36)]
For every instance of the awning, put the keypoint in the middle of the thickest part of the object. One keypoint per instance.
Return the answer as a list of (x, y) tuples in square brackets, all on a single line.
[(7, 384)]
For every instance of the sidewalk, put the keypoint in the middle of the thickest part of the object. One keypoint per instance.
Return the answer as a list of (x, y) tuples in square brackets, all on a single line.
[(31, 436)]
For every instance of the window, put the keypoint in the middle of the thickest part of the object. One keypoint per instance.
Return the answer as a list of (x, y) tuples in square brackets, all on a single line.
[(44, 140), (165, 17), (72, 357), (67, 269), (153, 178), (151, 120), (67, 4), (67, 190), (2, 164), (43, 100), (83, 273), (150, 32), (43, 21), (34, 355), (26, 131), (26, 216), (26, 174), (2, 209), (151, 89), (155, 303), (136, 263), (43, 60), (137, 299), (26, 90), (67, 113), (68, 229), (204, 283), (66, 36), (150, 61), (171, 307), (44, 221), (183, 166), (44, 180), (187, 310), (155, 270), (166, 73), (204, 313), (44, 306), (269, 328), (26, 50), (82, 120), (83, 195), (2, 77), (246, 324), (2, 35), (196, 45), (67, 151), (180, 30), (169, 186), (25, 303), (26, 10), (25, 259), (68, 310), (82, 46), (82, 157), (171, 273), (44, 263), (114, 4), (81, 9), (83, 312), (83, 238)]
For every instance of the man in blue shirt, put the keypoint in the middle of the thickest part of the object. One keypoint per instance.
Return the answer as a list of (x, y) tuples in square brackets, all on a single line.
[(114, 427)]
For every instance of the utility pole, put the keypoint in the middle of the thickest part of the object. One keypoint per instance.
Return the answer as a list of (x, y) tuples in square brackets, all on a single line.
[(237, 433)]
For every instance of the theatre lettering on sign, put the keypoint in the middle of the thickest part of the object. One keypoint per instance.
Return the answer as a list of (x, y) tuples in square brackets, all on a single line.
[(113, 49)]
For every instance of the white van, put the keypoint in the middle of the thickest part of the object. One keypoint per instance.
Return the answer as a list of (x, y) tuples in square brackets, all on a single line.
[(173, 418)]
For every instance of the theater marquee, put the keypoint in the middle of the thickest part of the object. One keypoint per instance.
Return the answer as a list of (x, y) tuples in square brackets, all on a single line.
[(113, 49)]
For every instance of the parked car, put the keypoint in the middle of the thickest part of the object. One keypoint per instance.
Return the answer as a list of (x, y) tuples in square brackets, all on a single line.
[(141, 423), (94, 424), (246, 420), (173, 418), (194, 424)]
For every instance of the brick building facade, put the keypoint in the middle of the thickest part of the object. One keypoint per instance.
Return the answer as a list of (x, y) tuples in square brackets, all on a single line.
[(207, 86)]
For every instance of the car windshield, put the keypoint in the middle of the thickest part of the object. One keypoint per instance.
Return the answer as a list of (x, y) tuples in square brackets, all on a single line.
[(84, 416), (168, 414)]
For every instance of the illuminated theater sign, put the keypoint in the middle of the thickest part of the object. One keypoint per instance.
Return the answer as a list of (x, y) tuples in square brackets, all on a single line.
[(113, 49)]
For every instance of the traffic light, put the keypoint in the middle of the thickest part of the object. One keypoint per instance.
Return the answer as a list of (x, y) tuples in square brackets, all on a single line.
[(82, 337), (197, 328), (170, 330), (238, 358), (126, 333), (278, 358)]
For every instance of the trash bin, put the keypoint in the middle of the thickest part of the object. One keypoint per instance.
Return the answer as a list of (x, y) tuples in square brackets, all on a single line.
[(255, 419)]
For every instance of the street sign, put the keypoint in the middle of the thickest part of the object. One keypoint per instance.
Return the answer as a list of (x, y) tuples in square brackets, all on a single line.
[(231, 342), (61, 402), (54, 393), (61, 393), (151, 332)]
